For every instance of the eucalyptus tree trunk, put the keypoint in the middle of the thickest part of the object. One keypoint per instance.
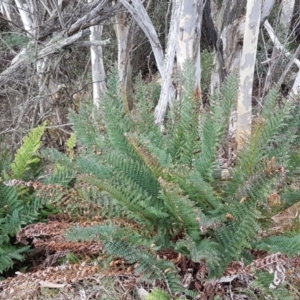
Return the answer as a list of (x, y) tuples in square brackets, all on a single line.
[(188, 40), (140, 15), (244, 105), (28, 14), (98, 72), (187, 15), (5, 8), (230, 26), (123, 29), (287, 9), (167, 94), (185, 33)]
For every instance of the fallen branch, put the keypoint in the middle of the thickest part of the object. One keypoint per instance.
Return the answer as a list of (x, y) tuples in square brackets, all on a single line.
[(293, 60)]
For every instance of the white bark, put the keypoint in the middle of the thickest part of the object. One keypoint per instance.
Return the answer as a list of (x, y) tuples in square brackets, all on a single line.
[(287, 8), (266, 9), (188, 41), (139, 13), (27, 14), (295, 91), (5, 6), (167, 93), (98, 72), (277, 43), (244, 106)]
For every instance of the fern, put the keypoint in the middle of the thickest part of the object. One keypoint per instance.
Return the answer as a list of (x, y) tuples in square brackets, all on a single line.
[(114, 240), (164, 183), (18, 205), (185, 132), (13, 214), (26, 156), (262, 283), (158, 294), (286, 244), (214, 126), (8, 255)]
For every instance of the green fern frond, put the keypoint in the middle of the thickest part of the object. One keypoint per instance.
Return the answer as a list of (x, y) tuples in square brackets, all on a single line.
[(158, 294), (57, 157), (62, 177), (13, 214), (135, 170), (150, 161), (181, 208), (8, 254), (150, 267), (289, 245), (116, 117), (132, 197), (184, 139), (92, 165), (262, 284), (144, 101), (70, 145), (88, 127), (199, 191), (214, 126), (26, 155)]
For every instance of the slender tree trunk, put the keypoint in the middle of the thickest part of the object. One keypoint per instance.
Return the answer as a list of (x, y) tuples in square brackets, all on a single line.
[(188, 41), (5, 8), (139, 13), (266, 9), (244, 105), (122, 28), (295, 91), (28, 15), (230, 24), (98, 72), (287, 9), (166, 92)]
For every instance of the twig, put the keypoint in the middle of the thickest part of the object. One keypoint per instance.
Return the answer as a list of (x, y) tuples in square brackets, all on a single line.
[(52, 285)]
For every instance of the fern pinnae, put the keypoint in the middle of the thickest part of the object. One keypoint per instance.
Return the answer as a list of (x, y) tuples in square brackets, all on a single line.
[(180, 207), (135, 170), (128, 197), (88, 129), (26, 155), (150, 160)]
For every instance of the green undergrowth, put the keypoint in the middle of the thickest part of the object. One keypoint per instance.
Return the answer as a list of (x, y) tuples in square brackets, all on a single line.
[(163, 185), (165, 181)]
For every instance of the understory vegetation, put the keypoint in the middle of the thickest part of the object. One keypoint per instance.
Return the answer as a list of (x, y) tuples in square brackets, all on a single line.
[(174, 212)]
